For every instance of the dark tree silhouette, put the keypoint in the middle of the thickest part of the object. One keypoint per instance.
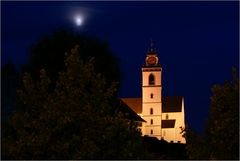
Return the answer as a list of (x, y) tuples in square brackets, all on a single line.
[(9, 82), (223, 123), (49, 54), (221, 138), (73, 121)]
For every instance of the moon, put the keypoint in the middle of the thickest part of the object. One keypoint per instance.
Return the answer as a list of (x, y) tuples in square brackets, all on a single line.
[(78, 20)]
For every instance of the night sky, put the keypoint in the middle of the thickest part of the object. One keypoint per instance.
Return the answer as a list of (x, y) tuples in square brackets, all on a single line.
[(197, 42)]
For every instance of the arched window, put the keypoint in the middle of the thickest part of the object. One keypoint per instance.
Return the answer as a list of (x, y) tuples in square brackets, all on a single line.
[(151, 79), (151, 131), (166, 116), (151, 95), (151, 111), (151, 121)]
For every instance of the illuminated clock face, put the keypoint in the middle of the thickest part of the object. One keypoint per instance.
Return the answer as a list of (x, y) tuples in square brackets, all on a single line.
[(152, 60)]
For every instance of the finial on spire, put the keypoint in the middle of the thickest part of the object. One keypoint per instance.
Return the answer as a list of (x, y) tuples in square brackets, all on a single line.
[(152, 49), (151, 44), (151, 58)]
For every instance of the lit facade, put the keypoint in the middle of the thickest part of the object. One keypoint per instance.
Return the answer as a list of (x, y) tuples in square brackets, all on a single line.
[(164, 116)]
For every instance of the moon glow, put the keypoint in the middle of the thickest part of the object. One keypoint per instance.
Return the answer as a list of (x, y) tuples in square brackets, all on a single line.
[(78, 20)]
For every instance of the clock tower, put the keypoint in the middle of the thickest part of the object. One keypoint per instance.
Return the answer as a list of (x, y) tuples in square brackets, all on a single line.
[(152, 94), (162, 117)]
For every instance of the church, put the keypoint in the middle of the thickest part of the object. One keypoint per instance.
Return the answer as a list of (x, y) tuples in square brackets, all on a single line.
[(162, 116)]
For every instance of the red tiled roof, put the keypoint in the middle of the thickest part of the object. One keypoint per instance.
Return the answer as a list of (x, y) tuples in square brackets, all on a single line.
[(129, 112), (169, 104), (134, 103)]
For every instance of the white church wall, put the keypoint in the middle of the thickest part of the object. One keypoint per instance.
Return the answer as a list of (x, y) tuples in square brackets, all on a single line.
[(155, 119), (172, 135), (152, 126), (145, 77), (175, 134), (143, 128), (154, 131), (168, 134), (151, 94), (146, 108)]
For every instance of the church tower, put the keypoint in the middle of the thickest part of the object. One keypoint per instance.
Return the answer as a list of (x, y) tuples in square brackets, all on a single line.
[(152, 94), (162, 117)]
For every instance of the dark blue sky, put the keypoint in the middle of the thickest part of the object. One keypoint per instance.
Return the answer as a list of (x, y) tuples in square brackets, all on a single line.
[(197, 42)]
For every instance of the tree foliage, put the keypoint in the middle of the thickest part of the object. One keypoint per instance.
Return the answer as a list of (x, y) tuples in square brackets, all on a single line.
[(75, 120), (221, 140), (223, 128), (196, 146), (48, 53), (9, 82)]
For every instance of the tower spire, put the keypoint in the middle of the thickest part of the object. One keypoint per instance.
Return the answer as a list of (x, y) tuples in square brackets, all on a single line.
[(151, 57), (152, 49), (151, 43)]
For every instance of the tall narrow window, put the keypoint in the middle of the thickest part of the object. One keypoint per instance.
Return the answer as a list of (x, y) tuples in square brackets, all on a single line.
[(151, 111), (151, 131), (166, 116), (151, 121), (151, 79), (151, 95)]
